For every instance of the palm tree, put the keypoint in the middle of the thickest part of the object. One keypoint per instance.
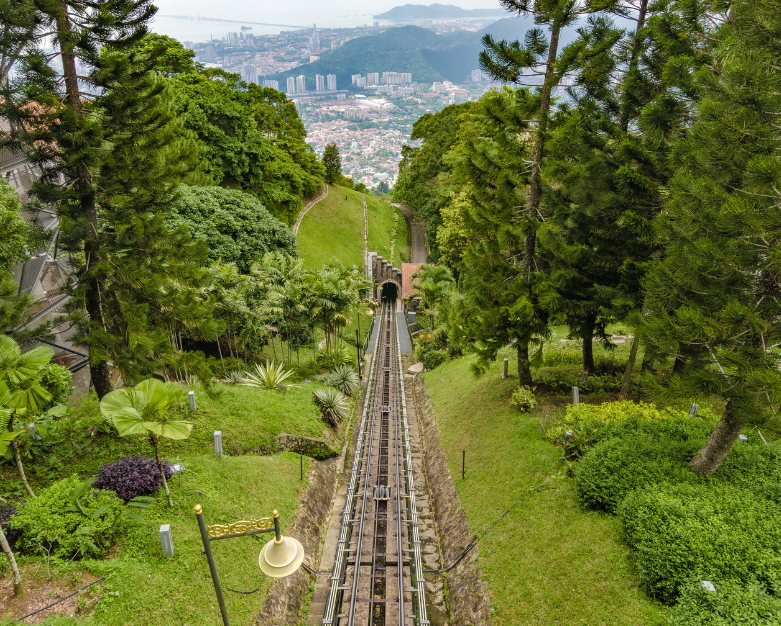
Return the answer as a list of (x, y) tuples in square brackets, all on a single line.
[(143, 410), (433, 289), (21, 391)]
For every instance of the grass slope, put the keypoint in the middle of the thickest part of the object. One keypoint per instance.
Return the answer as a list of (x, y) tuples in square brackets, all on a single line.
[(333, 228), (383, 219), (549, 561)]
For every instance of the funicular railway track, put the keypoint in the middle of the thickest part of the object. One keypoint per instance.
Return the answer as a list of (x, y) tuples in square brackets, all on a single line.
[(377, 575)]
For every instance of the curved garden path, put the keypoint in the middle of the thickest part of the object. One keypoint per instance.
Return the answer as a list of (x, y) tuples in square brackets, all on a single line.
[(307, 207)]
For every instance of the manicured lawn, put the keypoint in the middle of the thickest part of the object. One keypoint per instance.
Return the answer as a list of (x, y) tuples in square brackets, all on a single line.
[(333, 228), (383, 217), (145, 587), (549, 561)]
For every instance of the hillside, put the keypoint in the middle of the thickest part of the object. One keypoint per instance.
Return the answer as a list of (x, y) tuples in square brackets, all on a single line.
[(428, 56), (333, 228), (434, 11)]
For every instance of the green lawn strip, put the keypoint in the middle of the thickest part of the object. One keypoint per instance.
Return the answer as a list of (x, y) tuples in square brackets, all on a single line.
[(549, 561), (381, 221), (246, 416), (333, 228), (145, 587)]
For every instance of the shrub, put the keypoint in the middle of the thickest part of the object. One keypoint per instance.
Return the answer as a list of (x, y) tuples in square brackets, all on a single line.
[(69, 519), (731, 604), (751, 465), (57, 380), (716, 532), (594, 422), (344, 379), (524, 399), (434, 358), (268, 376), (333, 404), (561, 380), (131, 476), (616, 467), (333, 357), (7, 511)]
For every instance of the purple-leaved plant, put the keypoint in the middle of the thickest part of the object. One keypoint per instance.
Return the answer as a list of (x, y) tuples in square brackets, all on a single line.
[(131, 476)]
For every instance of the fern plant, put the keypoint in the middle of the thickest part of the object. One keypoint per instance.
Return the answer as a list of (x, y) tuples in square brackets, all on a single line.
[(268, 376), (333, 404), (344, 379)]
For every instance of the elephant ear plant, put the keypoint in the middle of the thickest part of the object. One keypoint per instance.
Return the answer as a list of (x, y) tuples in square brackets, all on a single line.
[(143, 410)]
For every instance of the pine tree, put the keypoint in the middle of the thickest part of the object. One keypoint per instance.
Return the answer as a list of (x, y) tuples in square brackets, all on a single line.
[(716, 296), (332, 163), (108, 163)]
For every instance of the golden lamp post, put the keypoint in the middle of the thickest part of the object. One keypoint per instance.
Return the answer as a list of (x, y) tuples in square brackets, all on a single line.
[(279, 557)]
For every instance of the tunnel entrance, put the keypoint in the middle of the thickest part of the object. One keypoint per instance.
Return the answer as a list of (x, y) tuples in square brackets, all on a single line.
[(389, 292)]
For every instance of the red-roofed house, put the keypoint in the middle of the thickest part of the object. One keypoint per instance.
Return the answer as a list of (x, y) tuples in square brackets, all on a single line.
[(408, 283)]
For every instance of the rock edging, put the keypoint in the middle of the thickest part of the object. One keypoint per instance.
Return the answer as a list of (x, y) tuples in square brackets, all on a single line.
[(468, 593), (287, 596)]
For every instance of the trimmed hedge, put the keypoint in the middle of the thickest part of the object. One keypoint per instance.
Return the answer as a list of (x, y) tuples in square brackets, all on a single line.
[(707, 532), (731, 604), (616, 467)]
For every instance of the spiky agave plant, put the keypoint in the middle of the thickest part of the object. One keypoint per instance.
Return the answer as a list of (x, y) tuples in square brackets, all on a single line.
[(344, 379), (333, 404), (268, 376), (236, 377)]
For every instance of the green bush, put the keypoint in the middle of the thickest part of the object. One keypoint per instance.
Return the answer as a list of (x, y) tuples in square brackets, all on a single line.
[(731, 604), (69, 519), (524, 399), (616, 467), (751, 464), (434, 359), (57, 380), (706, 532), (561, 380)]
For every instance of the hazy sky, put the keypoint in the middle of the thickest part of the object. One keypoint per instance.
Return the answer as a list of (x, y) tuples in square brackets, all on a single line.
[(325, 13)]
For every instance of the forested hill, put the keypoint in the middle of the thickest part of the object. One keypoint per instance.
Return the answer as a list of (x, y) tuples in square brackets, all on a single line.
[(434, 11), (430, 57)]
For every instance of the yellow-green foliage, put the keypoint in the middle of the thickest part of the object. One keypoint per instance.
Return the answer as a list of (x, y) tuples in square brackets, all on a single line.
[(608, 413)]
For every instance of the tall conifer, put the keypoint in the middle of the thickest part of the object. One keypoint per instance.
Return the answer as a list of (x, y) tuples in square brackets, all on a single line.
[(716, 296)]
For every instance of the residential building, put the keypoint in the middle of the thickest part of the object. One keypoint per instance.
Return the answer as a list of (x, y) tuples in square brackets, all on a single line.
[(301, 84), (211, 54), (314, 40), (250, 74), (331, 82), (477, 76), (274, 84), (373, 78), (396, 78), (319, 82), (355, 78), (313, 58), (361, 82), (291, 85), (341, 96)]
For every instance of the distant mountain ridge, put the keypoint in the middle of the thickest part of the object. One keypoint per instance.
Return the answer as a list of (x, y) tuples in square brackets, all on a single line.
[(435, 11), (428, 56)]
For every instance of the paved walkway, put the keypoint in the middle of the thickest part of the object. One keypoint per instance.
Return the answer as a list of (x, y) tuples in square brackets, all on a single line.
[(418, 236), (307, 207), (404, 340)]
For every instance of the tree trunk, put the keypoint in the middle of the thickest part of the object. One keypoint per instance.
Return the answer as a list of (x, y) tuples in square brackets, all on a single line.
[(630, 365), (535, 189), (153, 441), (679, 364), (588, 345), (524, 372), (17, 577), (219, 349), (636, 45), (718, 445), (20, 467), (99, 371)]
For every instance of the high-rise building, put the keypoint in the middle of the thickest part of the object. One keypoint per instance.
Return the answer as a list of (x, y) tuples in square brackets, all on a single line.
[(332, 82), (396, 78), (355, 78), (373, 78), (334, 44), (314, 40), (319, 82), (361, 82), (291, 85), (233, 39), (314, 58), (274, 84), (211, 55), (477, 76), (250, 74), (301, 84), (249, 40), (376, 26)]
